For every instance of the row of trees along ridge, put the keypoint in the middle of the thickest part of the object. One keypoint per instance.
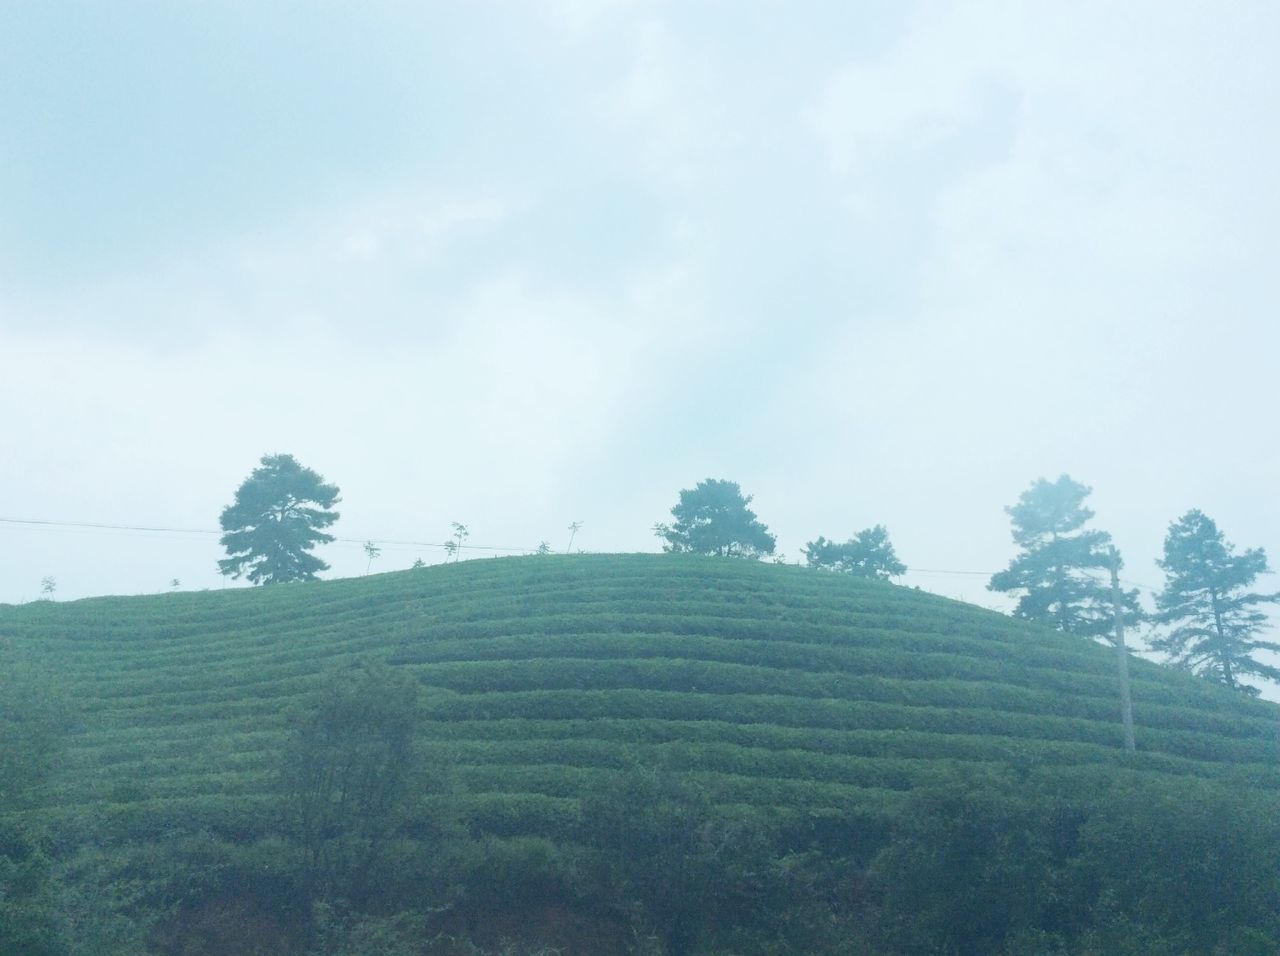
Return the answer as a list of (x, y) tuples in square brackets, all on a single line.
[(1210, 622)]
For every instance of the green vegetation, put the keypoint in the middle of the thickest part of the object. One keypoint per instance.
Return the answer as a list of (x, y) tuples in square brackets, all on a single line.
[(453, 546), (713, 518), (649, 754), (1216, 622), (1052, 573), (28, 734), (277, 518), (868, 554), (347, 774)]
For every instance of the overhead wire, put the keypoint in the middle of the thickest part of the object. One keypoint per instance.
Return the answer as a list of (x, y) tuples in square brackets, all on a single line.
[(405, 543), (154, 529)]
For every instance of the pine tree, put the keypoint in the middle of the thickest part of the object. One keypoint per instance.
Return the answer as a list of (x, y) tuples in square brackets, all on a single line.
[(275, 521), (713, 518), (1056, 570), (868, 554), (1215, 620)]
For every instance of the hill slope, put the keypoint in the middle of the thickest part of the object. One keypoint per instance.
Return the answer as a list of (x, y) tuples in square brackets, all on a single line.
[(777, 687)]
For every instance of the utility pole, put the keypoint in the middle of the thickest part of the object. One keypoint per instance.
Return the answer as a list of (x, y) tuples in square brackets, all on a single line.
[(574, 528), (1126, 702)]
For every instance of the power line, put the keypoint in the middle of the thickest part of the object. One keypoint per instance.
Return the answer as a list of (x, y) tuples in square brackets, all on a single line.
[(433, 544), (150, 529), (398, 542), (1132, 584), (945, 571), (102, 527)]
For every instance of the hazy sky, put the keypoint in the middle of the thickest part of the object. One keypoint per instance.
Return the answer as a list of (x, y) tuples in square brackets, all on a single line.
[(519, 264)]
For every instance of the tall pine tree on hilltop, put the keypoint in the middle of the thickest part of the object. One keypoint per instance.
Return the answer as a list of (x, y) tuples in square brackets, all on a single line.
[(277, 519), (1056, 572), (1215, 620), (714, 518)]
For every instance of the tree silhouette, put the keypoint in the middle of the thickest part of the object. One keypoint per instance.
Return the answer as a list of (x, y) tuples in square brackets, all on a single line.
[(372, 551), (713, 518), (275, 522), (868, 554), (1215, 620), (1053, 571), (460, 534)]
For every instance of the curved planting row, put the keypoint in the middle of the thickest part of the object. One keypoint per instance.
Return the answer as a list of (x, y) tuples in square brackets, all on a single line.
[(778, 688)]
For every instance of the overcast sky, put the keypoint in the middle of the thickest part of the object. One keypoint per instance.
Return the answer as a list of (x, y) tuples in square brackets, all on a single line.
[(520, 264)]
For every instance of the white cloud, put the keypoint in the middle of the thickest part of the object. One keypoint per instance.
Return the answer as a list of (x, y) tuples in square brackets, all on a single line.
[(1009, 240), (924, 90), (484, 411), (581, 17), (672, 102), (1087, 286), (408, 226)]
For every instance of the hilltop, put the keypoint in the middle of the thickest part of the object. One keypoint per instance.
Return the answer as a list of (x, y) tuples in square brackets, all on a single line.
[(777, 694)]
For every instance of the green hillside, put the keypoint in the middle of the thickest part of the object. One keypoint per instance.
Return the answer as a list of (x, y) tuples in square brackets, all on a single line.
[(773, 685), (779, 693)]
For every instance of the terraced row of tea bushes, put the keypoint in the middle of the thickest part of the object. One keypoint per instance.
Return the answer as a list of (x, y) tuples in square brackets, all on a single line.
[(236, 769), (777, 673), (555, 741), (799, 719), (732, 772)]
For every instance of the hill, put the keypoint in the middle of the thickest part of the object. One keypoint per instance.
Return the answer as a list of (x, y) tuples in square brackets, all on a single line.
[(777, 693)]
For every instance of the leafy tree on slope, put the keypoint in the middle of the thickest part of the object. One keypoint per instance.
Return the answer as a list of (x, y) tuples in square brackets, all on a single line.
[(275, 521), (868, 554), (714, 518), (1215, 620), (659, 848), (1054, 571), (347, 775)]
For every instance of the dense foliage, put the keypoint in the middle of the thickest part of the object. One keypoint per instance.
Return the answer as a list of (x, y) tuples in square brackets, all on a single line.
[(28, 734), (1054, 573), (629, 754), (277, 518), (1215, 621), (714, 518), (868, 554), (346, 775)]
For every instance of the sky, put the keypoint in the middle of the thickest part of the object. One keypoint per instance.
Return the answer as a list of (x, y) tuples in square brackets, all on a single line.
[(523, 264)]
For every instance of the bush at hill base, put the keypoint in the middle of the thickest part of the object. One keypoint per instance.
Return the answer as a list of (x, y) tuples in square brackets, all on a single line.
[(620, 755)]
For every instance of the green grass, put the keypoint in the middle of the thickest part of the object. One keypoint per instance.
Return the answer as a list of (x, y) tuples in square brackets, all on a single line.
[(772, 687)]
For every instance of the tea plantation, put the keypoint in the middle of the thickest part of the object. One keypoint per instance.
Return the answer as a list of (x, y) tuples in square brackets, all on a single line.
[(797, 700)]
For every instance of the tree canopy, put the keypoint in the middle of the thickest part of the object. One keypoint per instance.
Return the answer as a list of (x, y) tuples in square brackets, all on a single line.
[(347, 773), (868, 554), (275, 522), (1054, 571), (1214, 619), (714, 518)]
